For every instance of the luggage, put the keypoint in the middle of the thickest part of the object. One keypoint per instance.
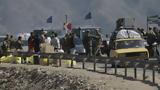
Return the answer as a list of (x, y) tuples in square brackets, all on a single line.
[(124, 34)]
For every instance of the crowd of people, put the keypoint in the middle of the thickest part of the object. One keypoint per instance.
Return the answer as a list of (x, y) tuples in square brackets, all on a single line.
[(152, 36), (71, 43), (35, 42), (10, 43)]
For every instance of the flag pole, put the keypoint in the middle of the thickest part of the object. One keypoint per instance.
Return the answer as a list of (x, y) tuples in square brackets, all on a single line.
[(66, 16), (66, 21), (147, 24)]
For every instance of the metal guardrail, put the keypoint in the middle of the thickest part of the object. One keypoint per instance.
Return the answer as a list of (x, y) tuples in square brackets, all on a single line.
[(125, 62)]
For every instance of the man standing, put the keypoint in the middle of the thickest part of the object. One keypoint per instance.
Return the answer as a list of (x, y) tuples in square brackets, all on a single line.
[(31, 42), (12, 42), (55, 42), (37, 42), (86, 42), (19, 44)]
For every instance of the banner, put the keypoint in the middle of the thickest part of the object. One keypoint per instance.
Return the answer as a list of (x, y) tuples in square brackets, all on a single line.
[(153, 20)]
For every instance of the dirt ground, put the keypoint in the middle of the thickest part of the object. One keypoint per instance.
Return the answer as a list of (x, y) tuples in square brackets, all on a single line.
[(36, 77)]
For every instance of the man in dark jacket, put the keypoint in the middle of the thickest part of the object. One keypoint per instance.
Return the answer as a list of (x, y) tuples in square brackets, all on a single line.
[(19, 43), (31, 42), (37, 43)]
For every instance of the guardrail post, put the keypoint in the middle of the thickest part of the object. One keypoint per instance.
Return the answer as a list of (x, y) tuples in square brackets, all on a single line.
[(125, 72), (72, 62), (158, 68), (116, 64), (83, 63), (106, 62), (115, 69), (94, 65), (48, 59), (135, 70), (153, 74), (22, 59), (36, 59), (144, 72), (90, 47), (60, 60)]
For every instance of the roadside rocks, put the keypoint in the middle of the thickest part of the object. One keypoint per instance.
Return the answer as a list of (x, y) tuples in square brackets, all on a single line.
[(12, 78)]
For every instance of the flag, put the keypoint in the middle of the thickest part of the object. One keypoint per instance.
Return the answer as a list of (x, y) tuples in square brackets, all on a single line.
[(88, 16), (68, 26), (49, 19), (153, 20)]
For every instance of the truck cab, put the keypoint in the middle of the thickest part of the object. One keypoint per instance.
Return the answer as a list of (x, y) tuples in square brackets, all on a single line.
[(81, 31), (88, 35)]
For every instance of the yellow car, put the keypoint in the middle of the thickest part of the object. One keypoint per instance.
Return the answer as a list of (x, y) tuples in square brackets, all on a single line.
[(131, 48)]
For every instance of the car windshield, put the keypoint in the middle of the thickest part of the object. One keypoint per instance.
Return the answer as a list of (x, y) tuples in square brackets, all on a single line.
[(129, 44)]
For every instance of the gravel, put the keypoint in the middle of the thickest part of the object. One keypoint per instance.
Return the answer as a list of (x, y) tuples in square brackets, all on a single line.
[(35, 77)]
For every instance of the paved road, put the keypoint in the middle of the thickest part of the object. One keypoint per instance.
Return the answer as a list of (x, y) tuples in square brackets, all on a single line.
[(120, 71)]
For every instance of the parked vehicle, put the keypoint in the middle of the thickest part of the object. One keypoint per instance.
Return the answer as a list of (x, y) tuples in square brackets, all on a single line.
[(93, 34), (130, 48), (127, 42)]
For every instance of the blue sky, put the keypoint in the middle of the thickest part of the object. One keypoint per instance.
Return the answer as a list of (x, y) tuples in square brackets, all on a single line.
[(26, 15)]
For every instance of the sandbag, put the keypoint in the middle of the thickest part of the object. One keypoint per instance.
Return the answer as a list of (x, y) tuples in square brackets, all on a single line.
[(18, 60), (68, 63), (30, 59), (44, 61), (3, 59), (10, 59)]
